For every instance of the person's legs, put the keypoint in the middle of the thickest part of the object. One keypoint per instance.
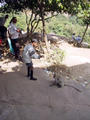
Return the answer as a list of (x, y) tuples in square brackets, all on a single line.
[(17, 52), (15, 48), (30, 71), (31, 74)]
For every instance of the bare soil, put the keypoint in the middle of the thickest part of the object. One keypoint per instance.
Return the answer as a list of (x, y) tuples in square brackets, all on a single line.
[(77, 61), (23, 99)]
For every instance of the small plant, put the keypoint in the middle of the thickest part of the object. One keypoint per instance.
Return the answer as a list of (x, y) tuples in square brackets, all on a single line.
[(56, 56)]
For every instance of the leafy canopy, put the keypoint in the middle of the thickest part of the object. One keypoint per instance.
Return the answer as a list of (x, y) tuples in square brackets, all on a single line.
[(69, 6), (85, 14)]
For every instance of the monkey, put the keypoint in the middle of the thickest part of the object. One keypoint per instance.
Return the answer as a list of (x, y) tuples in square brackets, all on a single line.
[(59, 82)]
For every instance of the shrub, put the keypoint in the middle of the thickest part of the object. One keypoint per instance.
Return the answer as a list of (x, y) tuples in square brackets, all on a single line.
[(66, 26), (56, 56)]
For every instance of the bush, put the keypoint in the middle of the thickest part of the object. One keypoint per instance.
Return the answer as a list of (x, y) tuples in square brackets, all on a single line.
[(56, 56), (66, 26)]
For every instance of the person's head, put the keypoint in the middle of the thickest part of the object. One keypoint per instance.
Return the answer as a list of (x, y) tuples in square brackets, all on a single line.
[(79, 36), (73, 33), (13, 20), (6, 16), (34, 42)]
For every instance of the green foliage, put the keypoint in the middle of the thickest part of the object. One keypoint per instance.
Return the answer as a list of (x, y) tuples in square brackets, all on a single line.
[(62, 25), (66, 26), (85, 14), (43, 7), (21, 20), (59, 25)]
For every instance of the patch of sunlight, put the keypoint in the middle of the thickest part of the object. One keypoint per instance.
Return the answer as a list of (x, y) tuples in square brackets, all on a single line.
[(75, 60), (8, 65), (81, 59)]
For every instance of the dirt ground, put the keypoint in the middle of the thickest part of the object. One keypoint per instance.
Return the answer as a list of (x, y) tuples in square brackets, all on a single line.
[(22, 99), (77, 61)]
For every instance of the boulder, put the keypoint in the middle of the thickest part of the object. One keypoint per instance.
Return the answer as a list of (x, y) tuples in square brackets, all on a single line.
[(85, 45), (52, 38)]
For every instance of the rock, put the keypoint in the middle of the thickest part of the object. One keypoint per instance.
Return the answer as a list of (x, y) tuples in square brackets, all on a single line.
[(37, 35), (52, 38), (84, 44)]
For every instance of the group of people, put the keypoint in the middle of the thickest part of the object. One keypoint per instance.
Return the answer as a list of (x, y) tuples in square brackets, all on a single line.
[(11, 32), (76, 39), (29, 52)]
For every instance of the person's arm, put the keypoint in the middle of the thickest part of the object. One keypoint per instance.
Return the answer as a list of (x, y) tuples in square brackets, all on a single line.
[(35, 56), (31, 50), (33, 53)]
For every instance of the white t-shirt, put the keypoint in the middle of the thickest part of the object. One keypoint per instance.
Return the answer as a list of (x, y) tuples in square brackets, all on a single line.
[(13, 31)]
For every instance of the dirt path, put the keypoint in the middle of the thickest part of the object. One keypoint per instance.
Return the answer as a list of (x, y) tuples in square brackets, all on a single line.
[(78, 61), (22, 99)]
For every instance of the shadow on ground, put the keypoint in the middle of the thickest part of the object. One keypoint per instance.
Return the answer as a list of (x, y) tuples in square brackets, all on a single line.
[(23, 99)]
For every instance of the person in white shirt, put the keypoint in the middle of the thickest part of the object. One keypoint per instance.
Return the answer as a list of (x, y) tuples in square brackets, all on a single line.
[(3, 29), (14, 36), (29, 53)]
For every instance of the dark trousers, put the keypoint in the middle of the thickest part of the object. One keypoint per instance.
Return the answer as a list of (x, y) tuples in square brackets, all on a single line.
[(29, 70), (16, 48)]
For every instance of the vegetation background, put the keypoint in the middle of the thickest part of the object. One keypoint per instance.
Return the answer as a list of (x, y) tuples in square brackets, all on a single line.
[(63, 25)]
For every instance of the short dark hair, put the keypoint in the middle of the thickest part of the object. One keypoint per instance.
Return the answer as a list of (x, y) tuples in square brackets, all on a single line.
[(73, 33), (34, 40), (6, 16), (14, 18)]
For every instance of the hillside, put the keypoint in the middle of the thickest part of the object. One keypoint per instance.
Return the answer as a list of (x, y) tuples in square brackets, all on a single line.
[(61, 25)]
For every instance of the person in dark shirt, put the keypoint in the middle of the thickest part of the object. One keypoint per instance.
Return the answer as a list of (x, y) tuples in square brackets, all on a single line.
[(3, 29)]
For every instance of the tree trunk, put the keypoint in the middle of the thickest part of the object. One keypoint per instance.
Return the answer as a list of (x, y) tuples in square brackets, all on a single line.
[(44, 34), (28, 30), (27, 22), (41, 8), (84, 34)]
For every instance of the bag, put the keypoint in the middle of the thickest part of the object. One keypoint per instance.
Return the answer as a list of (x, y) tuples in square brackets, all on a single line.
[(10, 46), (0, 41)]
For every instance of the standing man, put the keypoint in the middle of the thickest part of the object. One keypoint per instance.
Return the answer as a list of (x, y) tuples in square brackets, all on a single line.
[(14, 36), (3, 29)]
